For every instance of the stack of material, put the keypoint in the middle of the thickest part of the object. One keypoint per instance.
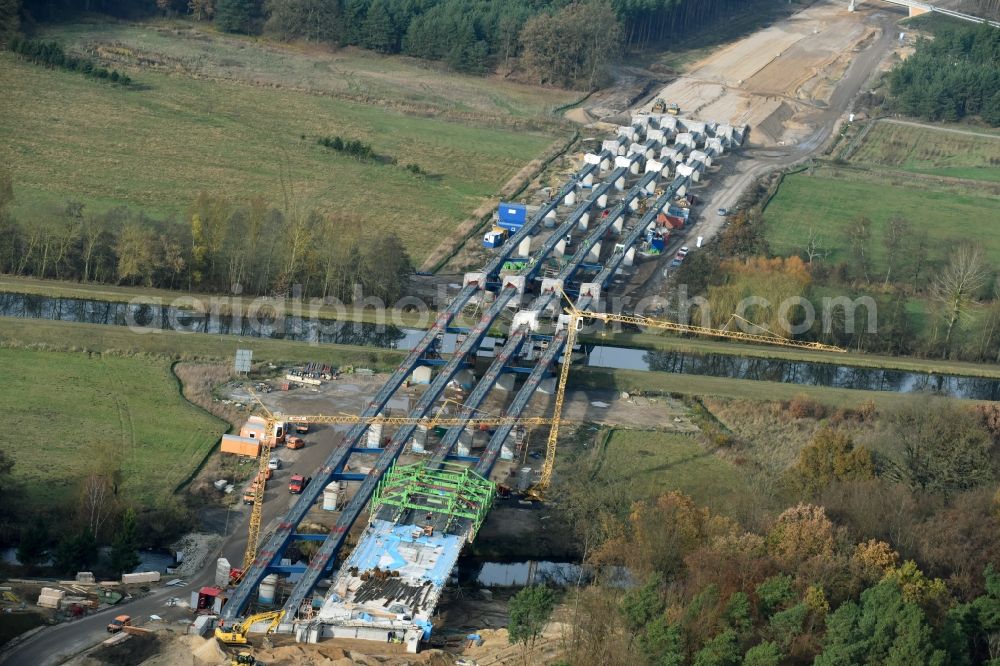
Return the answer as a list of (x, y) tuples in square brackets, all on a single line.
[(85, 577), (393, 590), (67, 602), (50, 597)]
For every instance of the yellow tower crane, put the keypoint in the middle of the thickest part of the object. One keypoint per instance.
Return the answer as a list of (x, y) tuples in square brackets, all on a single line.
[(272, 421), (573, 320)]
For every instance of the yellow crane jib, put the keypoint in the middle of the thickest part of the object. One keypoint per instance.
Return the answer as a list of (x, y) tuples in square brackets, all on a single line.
[(573, 321)]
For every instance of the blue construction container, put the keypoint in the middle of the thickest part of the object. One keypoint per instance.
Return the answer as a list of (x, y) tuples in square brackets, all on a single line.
[(512, 216), (658, 243), (492, 239)]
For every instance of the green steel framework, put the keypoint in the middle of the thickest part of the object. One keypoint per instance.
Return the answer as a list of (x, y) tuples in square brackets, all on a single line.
[(451, 489)]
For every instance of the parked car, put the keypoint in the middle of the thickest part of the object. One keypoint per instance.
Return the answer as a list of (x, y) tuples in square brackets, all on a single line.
[(274, 464), (294, 442), (723, 212)]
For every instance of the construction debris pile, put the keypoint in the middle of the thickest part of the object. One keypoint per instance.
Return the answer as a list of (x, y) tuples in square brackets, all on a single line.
[(398, 595)]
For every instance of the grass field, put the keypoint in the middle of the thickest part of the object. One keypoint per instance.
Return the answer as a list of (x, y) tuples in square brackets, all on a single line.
[(77, 414), (634, 381), (182, 130), (830, 200), (931, 151), (651, 463), (62, 335)]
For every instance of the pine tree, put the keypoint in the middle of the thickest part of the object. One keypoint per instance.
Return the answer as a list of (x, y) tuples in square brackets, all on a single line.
[(124, 555)]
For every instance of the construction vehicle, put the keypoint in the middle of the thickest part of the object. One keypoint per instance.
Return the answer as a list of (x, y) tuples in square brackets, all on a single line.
[(119, 623), (237, 634), (244, 658), (673, 109), (298, 483), (264, 460), (659, 106), (573, 321)]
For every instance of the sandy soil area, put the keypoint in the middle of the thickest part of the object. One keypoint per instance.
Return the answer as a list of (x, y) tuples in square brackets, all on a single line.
[(775, 77)]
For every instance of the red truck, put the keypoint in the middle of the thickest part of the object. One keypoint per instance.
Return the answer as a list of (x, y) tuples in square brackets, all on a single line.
[(297, 483)]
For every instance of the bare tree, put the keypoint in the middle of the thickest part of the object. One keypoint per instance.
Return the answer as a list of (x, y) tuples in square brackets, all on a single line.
[(97, 501), (956, 286), (861, 233), (896, 233), (813, 249)]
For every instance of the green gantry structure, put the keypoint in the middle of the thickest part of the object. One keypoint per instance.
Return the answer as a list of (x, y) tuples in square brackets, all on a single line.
[(448, 489)]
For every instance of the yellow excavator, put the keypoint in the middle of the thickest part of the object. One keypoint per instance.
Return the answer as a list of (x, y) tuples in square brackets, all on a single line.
[(236, 634)]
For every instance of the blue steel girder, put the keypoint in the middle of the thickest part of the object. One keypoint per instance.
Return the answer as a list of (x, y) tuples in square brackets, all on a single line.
[(271, 551), (479, 393), (572, 221), (520, 402), (357, 504)]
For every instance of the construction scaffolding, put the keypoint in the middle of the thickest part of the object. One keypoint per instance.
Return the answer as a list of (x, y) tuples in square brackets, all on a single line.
[(448, 489)]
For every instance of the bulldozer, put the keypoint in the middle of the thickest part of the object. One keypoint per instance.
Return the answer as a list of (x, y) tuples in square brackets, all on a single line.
[(659, 106)]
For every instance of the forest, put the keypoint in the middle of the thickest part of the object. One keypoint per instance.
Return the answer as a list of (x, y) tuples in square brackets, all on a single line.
[(884, 552), (249, 247), (562, 43), (952, 76)]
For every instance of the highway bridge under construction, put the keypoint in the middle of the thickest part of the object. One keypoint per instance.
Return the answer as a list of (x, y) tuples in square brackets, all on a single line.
[(421, 515)]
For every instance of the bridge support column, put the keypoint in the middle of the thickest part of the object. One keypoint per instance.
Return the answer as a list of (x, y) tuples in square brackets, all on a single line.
[(419, 442), (375, 436), (850, 6)]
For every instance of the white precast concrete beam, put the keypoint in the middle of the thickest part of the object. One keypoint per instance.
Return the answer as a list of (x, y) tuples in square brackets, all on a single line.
[(418, 443), (527, 318), (551, 286), (518, 283), (474, 278), (613, 146), (700, 156), (595, 253), (375, 436), (590, 290), (505, 382)]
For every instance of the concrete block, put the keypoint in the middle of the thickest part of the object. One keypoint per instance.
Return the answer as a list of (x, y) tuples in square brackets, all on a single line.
[(654, 166), (560, 248), (617, 225), (590, 290), (584, 222), (421, 374), (141, 577), (524, 247), (602, 201), (551, 286), (629, 259), (570, 198), (620, 184), (527, 318), (474, 277), (589, 178), (623, 162), (418, 443), (374, 433), (594, 254), (591, 158)]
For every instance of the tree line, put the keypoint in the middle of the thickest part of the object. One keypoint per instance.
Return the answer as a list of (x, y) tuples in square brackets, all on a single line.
[(952, 76), (552, 41), (51, 54), (221, 246)]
